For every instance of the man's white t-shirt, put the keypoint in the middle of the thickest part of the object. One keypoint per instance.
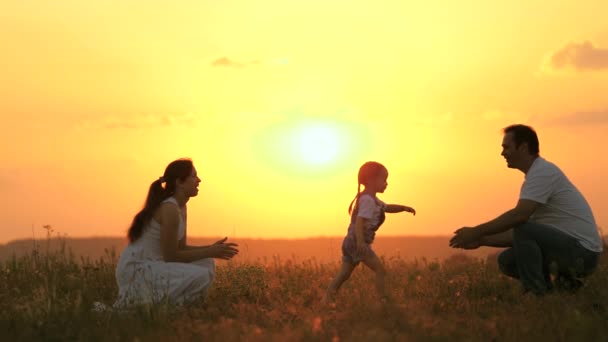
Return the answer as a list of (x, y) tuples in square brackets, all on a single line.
[(562, 206)]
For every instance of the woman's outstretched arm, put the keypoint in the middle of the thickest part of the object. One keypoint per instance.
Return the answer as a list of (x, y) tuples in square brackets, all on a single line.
[(174, 251)]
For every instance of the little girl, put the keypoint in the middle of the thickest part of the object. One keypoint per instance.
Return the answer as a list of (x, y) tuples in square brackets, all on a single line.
[(366, 217)]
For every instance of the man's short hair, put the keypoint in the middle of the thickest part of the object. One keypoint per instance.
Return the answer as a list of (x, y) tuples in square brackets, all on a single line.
[(524, 134)]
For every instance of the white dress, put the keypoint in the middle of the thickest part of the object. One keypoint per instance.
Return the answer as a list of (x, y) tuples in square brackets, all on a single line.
[(143, 277)]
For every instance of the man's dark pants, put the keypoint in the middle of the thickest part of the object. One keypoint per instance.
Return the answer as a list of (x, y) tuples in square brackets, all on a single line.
[(539, 251)]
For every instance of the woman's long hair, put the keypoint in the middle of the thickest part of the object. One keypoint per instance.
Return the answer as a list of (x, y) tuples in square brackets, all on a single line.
[(177, 169), (367, 171)]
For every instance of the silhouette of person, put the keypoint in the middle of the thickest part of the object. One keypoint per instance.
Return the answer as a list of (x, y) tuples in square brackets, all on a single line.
[(366, 216), (158, 264), (551, 230)]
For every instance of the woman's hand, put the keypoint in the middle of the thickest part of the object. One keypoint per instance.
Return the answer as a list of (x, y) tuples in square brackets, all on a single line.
[(222, 250)]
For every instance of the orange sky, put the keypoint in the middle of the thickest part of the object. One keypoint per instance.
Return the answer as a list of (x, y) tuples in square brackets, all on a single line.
[(278, 105)]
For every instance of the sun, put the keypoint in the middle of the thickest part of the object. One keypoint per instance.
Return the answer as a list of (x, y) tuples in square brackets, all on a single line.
[(310, 147), (317, 144)]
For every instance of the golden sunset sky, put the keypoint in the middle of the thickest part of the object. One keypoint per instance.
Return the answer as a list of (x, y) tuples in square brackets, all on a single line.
[(279, 102)]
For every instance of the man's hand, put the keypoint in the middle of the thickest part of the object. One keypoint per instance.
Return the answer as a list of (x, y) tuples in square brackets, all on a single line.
[(466, 237), (472, 245)]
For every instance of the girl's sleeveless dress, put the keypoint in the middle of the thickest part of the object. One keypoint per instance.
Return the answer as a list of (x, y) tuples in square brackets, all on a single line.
[(143, 277), (377, 209)]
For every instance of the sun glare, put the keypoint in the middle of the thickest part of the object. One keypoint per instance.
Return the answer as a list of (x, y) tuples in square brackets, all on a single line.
[(317, 144), (303, 147)]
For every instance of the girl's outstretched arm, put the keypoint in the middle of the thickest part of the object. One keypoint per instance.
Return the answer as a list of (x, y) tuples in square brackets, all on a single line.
[(397, 208)]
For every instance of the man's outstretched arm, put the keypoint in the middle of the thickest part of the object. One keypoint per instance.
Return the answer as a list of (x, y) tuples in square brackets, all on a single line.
[(514, 217), (504, 239)]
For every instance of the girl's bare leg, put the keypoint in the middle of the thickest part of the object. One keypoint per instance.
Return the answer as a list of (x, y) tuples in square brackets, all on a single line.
[(375, 265), (345, 271)]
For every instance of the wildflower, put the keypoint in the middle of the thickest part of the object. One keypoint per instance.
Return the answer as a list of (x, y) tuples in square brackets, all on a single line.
[(316, 324)]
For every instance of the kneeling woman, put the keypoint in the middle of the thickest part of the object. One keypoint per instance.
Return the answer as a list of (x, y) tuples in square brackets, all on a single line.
[(158, 265)]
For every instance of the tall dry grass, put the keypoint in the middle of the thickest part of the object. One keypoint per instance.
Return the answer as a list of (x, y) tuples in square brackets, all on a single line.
[(48, 295)]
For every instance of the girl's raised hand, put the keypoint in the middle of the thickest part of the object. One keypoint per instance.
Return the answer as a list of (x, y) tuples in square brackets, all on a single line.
[(409, 210)]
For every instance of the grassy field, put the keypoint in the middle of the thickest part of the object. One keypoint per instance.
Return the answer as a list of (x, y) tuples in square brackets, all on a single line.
[(48, 295)]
